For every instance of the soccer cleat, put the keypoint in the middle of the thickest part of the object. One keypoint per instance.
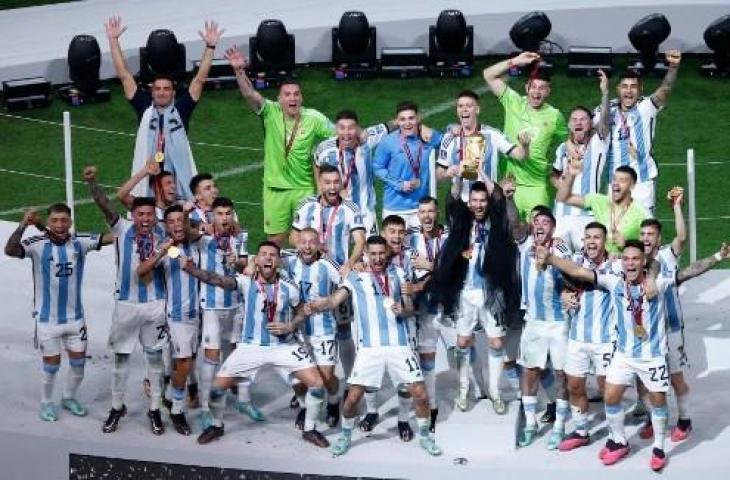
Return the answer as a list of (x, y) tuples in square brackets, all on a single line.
[(429, 444), (368, 423), (112, 421), (333, 414), (613, 452), (681, 431), (658, 460), (156, 425), (432, 421), (294, 402), (209, 434), (299, 422), (555, 439), (527, 437), (205, 419), (73, 406), (252, 412), (646, 431), (48, 412), (405, 432), (573, 441), (315, 438), (167, 404), (342, 445), (180, 423), (549, 415), (193, 398), (499, 406)]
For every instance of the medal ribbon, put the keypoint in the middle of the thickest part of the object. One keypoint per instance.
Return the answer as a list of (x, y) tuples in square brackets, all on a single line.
[(415, 164), (346, 169), (160, 134), (635, 304), (145, 245), (288, 144), (382, 281), (432, 252), (270, 302), (326, 227)]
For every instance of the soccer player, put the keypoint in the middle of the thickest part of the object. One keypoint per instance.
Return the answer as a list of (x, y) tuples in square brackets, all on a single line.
[(273, 312), (182, 306), (633, 123), (586, 144), (205, 191), (354, 159), (617, 211), (641, 344), (380, 310), (402, 162), (291, 133), (58, 258), (139, 309), (165, 194), (337, 220), (452, 152), (317, 276), (163, 116), (528, 114)]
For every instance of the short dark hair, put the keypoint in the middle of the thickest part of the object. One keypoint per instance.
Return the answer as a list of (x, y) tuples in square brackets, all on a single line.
[(468, 93), (195, 181), (172, 209), (597, 226), (542, 210), (634, 243), (428, 199), (164, 174), (652, 222), (406, 105), (269, 243), (58, 208), (222, 202), (630, 73), (628, 170), (538, 73), (478, 186), (327, 168), (376, 240), (393, 220), (143, 202), (164, 76), (346, 115), (584, 109), (290, 81)]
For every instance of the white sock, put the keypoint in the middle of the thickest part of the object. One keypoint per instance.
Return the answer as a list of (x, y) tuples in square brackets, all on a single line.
[(562, 412), (312, 402), (49, 379), (120, 374), (371, 402), (423, 424), (178, 399), (154, 375), (659, 417), (404, 405), (496, 365), (217, 404), (463, 363), (207, 374), (530, 405), (683, 406), (74, 376), (428, 367), (347, 424), (615, 416), (244, 391), (513, 377), (547, 380), (581, 420)]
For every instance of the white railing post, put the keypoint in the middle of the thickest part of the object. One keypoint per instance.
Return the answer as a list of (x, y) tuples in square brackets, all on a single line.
[(69, 166), (692, 205)]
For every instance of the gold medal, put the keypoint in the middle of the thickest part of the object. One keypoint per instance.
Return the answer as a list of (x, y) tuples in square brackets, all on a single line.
[(159, 157), (639, 331), (388, 303), (173, 252)]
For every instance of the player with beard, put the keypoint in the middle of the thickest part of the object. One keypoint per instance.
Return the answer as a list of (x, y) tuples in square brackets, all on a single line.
[(641, 343), (588, 145), (58, 258), (165, 193), (529, 115)]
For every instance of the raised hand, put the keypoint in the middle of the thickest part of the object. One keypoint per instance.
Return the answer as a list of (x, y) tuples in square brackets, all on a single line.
[(524, 137), (152, 167), (675, 196), (569, 299), (603, 82), (725, 251), (114, 27), (235, 58), (90, 173), (211, 33), (673, 58), (541, 254), (508, 185), (525, 58), (575, 166), (30, 217)]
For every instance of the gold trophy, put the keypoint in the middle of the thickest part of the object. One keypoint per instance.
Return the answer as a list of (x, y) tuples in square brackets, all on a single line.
[(473, 155)]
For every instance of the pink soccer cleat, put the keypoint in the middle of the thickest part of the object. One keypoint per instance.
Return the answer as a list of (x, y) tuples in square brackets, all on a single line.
[(573, 441), (614, 452), (646, 432), (680, 434), (658, 460)]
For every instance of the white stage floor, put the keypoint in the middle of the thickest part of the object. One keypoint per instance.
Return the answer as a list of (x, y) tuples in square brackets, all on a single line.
[(30, 448)]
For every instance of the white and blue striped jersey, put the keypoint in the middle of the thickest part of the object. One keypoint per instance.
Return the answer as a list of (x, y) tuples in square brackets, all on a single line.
[(182, 289), (375, 324), (356, 166), (429, 249), (632, 138), (495, 142), (58, 275), (131, 249), (478, 239), (541, 288), (654, 343), (593, 322), (257, 300), (315, 280), (589, 180), (669, 266), (404, 260), (335, 225), (214, 253)]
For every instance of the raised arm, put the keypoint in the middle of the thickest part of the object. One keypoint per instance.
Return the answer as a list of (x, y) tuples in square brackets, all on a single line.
[(565, 184), (238, 63), (358, 239), (676, 196), (148, 265), (566, 266), (114, 30), (673, 59), (14, 248), (701, 266), (224, 281), (493, 74), (100, 198), (124, 192), (603, 124), (211, 34), (519, 229)]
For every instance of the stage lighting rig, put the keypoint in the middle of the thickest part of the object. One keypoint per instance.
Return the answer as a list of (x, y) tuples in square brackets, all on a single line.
[(271, 54), (451, 45), (528, 33), (646, 36), (586, 61), (717, 38), (26, 93), (84, 60), (162, 55), (354, 49)]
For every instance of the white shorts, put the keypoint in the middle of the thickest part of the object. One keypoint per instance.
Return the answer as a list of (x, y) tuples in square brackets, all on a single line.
[(247, 358), (323, 350), (237, 325), (571, 228), (472, 313), (644, 194), (428, 331), (584, 358), (677, 360), (541, 341), (183, 339), (409, 216), (51, 336), (217, 327), (370, 222), (133, 322), (412, 324), (653, 373), (371, 363)]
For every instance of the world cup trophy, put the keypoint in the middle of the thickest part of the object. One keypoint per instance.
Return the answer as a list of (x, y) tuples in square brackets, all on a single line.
[(473, 154)]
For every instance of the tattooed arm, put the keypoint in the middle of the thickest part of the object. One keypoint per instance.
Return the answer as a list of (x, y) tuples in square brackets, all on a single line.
[(211, 278), (100, 198), (660, 96), (14, 248), (701, 266)]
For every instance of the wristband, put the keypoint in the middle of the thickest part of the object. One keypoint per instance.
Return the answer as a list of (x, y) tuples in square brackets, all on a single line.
[(718, 257), (208, 45)]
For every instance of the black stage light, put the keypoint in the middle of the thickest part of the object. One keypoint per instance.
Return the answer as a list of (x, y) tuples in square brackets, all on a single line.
[(451, 45), (26, 93), (354, 50), (717, 38), (646, 36), (271, 54), (162, 55), (84, 60), (527, 34)]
